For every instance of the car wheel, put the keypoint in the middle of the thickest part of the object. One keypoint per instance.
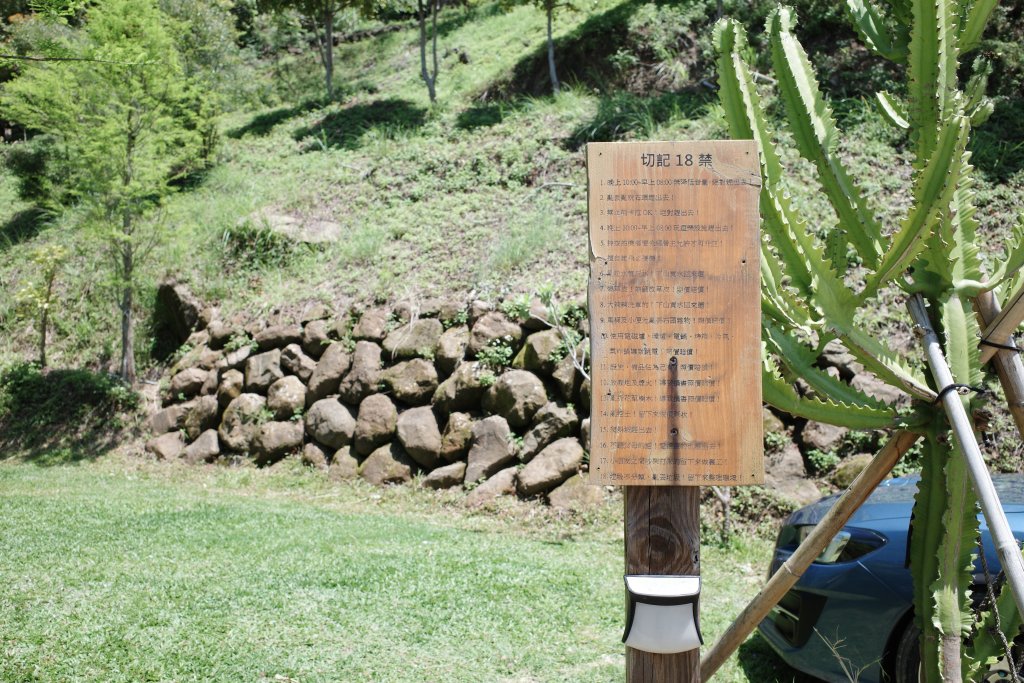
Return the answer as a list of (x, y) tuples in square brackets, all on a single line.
[(907, 663)]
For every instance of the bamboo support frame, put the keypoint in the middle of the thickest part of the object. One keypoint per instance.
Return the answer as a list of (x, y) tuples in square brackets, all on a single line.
[(791, 571), (1002, 325), (1007, 364), (963, 432)]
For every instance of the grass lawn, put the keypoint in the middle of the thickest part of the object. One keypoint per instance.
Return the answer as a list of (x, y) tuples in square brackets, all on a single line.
[(125, 570)]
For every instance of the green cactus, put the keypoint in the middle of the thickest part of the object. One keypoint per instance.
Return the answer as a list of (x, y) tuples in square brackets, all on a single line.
[(806, 304)]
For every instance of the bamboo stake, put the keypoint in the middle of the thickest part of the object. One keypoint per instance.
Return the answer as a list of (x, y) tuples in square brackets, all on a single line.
[(793, 568), (1003, 324), (1008, 364), (963, 432)]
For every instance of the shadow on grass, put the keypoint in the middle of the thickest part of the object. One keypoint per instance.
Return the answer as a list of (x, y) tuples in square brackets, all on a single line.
[(482, 116), (262, 124), (997, 148), (581, 57), (57, 417), (760, 663), (22, 226), (344, 128), (624, 113)]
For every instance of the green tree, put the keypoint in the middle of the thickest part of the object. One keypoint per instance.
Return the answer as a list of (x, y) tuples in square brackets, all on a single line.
[(36, 299), (120, 110), (322, 13)]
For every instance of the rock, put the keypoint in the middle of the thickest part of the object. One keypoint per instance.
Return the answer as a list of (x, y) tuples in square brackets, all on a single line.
[(463, 390), (376, 423), (457, 436), (169, 419), (821, 436), (343, 465), (551, 422), (516, 396), (274, 440), (230, 388), (417, 339), (785, 474), (314, 338), (328, 373), (278, 337), (412, 382), (503, 483), (876, 388), (584, 405), (314, 456), (451, 349), (263, 370), (835, 355), (364, 376), (187, 383), (201, 416), (286, 397), (235, 359), (372, 326), (451, 312), (585, 434), (552, 466), (313, 312), (771, 421), (220, 333), (330, 423), (417, 308), (849, 468), (492, 327), (566, 378), (210, 385), (177, 309), (420, 437), (206, 448), (445, 477), (387, 465), (476, 310), (577, 494), (538, 349), (238, 424), (295, 362), (491, 448), (166, 447), (293, 229), (537, 315)]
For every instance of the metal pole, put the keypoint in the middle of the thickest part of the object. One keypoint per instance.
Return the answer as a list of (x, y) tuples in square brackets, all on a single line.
[(963, 432), (793, 568)]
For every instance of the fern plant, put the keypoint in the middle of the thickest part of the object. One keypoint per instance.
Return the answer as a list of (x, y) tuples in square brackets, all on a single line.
[(806, 303)]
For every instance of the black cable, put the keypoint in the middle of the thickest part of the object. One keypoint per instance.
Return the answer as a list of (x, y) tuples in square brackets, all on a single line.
[(1004, 347), (955, 387)]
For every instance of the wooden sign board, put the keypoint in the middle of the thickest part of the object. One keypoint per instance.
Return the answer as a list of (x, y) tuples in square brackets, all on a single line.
[(675, 314)]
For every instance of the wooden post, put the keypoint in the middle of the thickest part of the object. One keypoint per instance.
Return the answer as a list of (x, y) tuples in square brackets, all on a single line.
[(662, 537)]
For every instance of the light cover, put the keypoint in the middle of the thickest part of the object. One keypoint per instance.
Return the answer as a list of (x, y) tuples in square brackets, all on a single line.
[(663, 613)]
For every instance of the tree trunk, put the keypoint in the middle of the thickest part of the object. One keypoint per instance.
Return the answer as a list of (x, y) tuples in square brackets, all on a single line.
[(555, 88), (328, 52), (429, 78), (127, 320)]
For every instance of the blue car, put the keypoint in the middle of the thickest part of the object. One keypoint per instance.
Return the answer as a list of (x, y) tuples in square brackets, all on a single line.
[(851, 611)]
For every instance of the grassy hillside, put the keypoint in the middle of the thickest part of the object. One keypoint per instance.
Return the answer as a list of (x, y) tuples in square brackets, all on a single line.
[(482, 195)]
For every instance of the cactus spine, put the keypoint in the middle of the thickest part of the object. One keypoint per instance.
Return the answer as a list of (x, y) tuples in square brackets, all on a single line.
[(806, 304)]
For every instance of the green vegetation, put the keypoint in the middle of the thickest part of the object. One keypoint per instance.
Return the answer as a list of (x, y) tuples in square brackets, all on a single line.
[(931, 252), (127, 571)]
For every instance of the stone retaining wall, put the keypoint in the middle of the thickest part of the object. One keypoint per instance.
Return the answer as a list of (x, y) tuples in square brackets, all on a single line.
[(388, 395)]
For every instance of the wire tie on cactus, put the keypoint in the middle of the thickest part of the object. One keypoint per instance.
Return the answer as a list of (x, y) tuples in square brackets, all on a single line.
[(996, 345), (959, 388)]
